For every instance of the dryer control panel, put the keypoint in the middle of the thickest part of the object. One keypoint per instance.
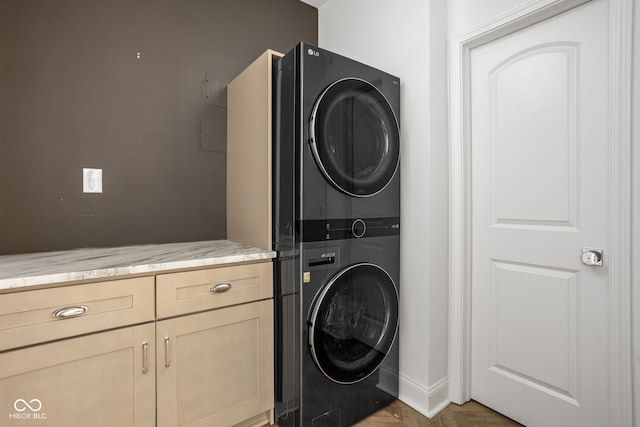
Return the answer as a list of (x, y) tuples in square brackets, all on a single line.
[(316, 230)]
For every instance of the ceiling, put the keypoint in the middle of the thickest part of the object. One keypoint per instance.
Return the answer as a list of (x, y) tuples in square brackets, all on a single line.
[(315, 3)]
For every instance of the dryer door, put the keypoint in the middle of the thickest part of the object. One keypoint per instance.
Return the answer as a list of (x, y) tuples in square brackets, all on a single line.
[(353, 323), (355, 137)]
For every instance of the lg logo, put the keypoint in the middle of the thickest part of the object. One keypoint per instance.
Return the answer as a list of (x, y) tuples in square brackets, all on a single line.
[(313, 52)]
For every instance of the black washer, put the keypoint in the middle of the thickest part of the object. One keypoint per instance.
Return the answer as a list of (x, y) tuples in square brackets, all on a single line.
[(354, 323)]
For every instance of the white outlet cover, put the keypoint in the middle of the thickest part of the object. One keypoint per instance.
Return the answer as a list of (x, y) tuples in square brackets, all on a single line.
[(91, 180)]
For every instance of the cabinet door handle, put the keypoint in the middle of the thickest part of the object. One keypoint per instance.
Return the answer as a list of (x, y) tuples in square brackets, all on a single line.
[(167, 360), (223, 287), (65, 312), (145, 355)]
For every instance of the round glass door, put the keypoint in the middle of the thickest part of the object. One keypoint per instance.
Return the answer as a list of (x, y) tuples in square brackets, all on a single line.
[(355, 137), (353, 323)]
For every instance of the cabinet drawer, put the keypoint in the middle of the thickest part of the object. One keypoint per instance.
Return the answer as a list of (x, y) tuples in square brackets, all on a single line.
[(29, 317), (191, 291)]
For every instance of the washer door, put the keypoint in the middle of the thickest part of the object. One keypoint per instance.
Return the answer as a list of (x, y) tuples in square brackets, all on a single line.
[(353, 323), (355, 137)]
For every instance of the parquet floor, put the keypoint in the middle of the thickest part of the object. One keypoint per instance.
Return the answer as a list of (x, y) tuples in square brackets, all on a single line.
[(471, 414)]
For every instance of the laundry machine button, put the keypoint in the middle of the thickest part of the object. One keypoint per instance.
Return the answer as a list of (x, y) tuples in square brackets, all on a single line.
[(358, 228)]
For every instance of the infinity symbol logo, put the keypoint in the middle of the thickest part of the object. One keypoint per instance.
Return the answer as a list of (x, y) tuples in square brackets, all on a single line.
[(37, 405)]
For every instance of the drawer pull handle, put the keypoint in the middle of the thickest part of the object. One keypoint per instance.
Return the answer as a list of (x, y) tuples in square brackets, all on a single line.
[(65, 312), (167, 357), (217, 289), (145, 350)]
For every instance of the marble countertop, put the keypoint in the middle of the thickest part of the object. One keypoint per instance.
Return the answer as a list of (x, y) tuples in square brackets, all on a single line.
[(18, 271)]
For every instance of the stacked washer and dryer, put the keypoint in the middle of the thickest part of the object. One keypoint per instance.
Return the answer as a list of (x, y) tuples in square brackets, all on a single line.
[(337, 234)]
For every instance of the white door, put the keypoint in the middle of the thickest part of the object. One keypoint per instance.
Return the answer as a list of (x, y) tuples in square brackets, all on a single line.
[(539, 127)]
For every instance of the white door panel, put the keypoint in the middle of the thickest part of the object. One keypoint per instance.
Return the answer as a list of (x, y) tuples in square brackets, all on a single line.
[(539, 126), (533, 100)]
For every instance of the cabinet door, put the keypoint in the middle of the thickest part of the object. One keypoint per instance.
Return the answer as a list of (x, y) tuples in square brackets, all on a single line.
[(96, 380), (216, 368)]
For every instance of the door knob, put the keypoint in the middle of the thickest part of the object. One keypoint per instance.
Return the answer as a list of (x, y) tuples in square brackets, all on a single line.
[(592, 257)]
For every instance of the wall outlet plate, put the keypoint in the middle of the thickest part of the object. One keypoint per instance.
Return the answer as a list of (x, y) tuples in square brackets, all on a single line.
[(91, 180)]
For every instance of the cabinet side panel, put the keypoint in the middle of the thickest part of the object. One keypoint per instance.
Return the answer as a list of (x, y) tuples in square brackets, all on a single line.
[(249, 154)]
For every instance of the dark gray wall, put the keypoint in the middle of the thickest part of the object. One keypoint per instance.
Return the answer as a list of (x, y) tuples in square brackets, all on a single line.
[(74, 94)]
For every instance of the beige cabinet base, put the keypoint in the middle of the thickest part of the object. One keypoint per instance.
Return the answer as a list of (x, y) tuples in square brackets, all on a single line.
[(96, 380), (216, 368)]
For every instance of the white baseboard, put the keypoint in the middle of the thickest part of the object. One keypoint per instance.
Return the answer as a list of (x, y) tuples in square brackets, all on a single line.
[(426, 400)]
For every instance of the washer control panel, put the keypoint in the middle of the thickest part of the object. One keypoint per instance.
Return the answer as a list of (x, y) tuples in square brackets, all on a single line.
[(316, 230)]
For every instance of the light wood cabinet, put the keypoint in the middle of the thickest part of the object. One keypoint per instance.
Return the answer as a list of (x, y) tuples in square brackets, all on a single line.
[(95, 380), (216, 368), (249, 134), (206, 356)]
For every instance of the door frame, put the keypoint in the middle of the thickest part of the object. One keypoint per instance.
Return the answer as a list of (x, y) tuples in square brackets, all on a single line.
[(619, 258)]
